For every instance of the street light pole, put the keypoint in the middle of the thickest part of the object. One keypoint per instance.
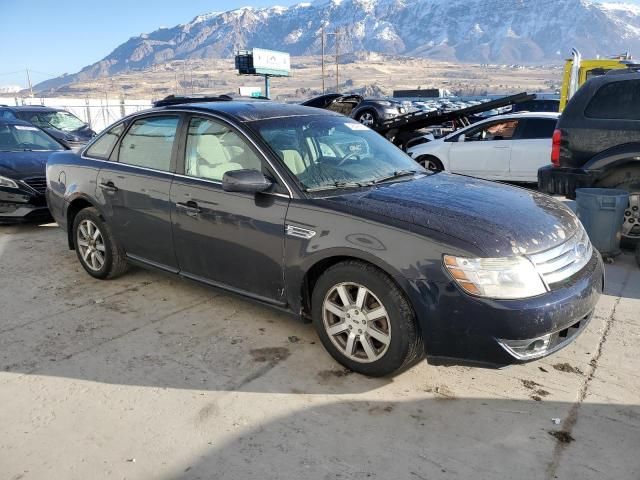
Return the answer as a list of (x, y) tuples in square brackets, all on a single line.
[(322, 53)]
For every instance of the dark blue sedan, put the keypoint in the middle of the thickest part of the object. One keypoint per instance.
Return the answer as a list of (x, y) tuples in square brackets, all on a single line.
[(24, 150)]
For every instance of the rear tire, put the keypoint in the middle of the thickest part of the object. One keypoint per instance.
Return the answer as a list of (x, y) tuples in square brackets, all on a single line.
[(368, 118), (430, 162), (378, 326), (627, 178), (96, 247)]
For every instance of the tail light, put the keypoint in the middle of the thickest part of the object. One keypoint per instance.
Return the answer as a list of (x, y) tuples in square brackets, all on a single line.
[(555, 147)]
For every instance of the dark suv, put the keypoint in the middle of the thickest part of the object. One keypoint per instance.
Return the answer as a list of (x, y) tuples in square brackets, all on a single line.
[(64, 126), (597, 143), (317, 215)]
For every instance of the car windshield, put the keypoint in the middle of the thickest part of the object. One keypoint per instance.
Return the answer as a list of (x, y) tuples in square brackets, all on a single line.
[(325, 152), (65, 121), (17, 138)]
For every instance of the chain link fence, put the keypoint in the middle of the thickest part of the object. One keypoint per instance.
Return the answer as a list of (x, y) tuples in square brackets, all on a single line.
[(97, 112)]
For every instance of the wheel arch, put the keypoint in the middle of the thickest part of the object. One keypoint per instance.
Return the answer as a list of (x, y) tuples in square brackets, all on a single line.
[(76, 205), (614, 158), (431, 156), (316, 267)]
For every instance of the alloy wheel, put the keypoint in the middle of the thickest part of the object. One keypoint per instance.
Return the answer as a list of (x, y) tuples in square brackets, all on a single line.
[(430, 165), (91, 245), (631, 223), (356, 322), (367, 119)]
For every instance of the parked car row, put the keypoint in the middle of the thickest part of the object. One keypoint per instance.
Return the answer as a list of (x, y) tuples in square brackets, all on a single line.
[(315, 214)]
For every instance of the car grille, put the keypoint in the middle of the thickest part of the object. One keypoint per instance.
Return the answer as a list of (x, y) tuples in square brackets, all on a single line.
[(561, 262), (39, 184)]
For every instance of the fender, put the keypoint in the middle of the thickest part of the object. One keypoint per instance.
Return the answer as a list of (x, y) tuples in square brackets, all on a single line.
[(614, 157), (295, 274)]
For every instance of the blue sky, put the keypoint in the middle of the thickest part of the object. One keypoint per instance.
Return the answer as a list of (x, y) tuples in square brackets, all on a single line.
[(52, 37)]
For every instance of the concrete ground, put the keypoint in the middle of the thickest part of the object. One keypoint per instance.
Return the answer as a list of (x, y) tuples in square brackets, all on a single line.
[(150, 377)]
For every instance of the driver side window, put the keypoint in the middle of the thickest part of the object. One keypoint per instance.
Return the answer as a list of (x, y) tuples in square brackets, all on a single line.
[(213, 149), (503, 130)]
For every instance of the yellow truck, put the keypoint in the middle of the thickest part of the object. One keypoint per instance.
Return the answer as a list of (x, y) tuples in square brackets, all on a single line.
[(577, 71)]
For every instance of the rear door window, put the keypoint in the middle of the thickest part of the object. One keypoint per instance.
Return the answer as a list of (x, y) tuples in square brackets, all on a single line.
[(104, 145), (149, 143), (535, 128), (616, 101)]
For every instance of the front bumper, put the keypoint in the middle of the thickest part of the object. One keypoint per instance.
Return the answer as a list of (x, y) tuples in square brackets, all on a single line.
[(564, 180), (462, 329), (21, 206)]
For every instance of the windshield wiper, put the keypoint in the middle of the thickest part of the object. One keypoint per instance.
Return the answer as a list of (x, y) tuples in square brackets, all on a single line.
[(334, 186), (396, 174)]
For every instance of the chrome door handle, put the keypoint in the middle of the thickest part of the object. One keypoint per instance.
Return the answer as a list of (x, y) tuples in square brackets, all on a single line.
[(108, 186)]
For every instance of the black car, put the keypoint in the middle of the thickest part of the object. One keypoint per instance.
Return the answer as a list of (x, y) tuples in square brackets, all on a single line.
[(317, 215), (368, 111), (24, 149), (60, 124), (597, 143)]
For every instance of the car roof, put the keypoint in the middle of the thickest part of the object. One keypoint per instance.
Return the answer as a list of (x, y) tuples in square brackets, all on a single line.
[(250, 110), (8, 121), (38, 108)]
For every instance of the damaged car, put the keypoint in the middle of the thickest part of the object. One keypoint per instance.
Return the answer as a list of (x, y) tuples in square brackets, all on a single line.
[(368, 111), (316, 215)]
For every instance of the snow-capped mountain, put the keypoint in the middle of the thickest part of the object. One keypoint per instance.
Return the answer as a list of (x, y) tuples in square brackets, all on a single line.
[(481, 31)]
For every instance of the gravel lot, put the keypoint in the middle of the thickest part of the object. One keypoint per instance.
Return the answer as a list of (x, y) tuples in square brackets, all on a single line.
[(151, 377)]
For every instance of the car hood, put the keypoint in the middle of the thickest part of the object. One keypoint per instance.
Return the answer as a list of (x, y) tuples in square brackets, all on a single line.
[(500, 220), (19, 165)]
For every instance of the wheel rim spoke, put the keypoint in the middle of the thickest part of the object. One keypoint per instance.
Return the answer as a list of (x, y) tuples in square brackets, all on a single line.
[(351, 341), (378, 335), (90, 245), (362, 294), (337, 328), (367, 347), (377, 313), (344, 295), (335, 309), (100, 247)]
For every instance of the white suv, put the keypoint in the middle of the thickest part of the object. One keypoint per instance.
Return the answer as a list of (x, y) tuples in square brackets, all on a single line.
[(506, 147)]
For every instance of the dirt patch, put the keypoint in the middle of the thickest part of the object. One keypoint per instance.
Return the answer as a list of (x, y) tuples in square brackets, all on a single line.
[(565, 367), (270, 354), (562, 436), (530, 384), (442, 391), (380, 410), (329, 374)]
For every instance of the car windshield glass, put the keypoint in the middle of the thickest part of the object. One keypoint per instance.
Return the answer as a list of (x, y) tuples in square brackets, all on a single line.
[(65, 121), (326, 152), (14, 138)]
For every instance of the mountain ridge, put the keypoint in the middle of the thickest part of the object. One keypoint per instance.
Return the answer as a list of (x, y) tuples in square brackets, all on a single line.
[(480, 31)]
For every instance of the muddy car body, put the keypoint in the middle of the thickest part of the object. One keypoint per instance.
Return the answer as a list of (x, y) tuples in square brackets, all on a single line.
[(392, 259)]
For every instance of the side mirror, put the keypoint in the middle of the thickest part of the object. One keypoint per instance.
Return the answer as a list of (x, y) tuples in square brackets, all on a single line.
[(247, 180), (462, 138)]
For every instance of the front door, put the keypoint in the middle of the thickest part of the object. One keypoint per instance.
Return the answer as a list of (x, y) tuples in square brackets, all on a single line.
[(234, 240), (134, 189), (485, 151)]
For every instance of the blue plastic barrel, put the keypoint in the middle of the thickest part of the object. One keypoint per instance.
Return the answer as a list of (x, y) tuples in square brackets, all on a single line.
[(601, 211)]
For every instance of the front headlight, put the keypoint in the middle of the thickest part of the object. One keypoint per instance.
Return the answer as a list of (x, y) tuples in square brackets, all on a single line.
[(7, 182), (504, 278)]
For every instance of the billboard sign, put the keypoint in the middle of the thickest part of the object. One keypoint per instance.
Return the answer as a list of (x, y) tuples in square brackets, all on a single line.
[(270, 62)]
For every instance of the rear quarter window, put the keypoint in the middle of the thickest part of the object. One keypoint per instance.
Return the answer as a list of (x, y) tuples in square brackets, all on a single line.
[(536, 128), (616, 101), (103, 146)]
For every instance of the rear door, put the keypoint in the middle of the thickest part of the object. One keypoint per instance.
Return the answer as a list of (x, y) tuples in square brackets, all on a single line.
[(531, 148), (134, 189), (485, 151), (229, 239)]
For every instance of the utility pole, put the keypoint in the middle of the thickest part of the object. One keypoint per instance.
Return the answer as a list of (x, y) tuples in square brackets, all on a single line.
[(322, 50), (29, 83), (337, 60)]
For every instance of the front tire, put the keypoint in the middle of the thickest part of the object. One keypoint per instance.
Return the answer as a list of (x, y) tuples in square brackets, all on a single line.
[(368, 118), (430, 162), (364, 320), (97, 249)]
